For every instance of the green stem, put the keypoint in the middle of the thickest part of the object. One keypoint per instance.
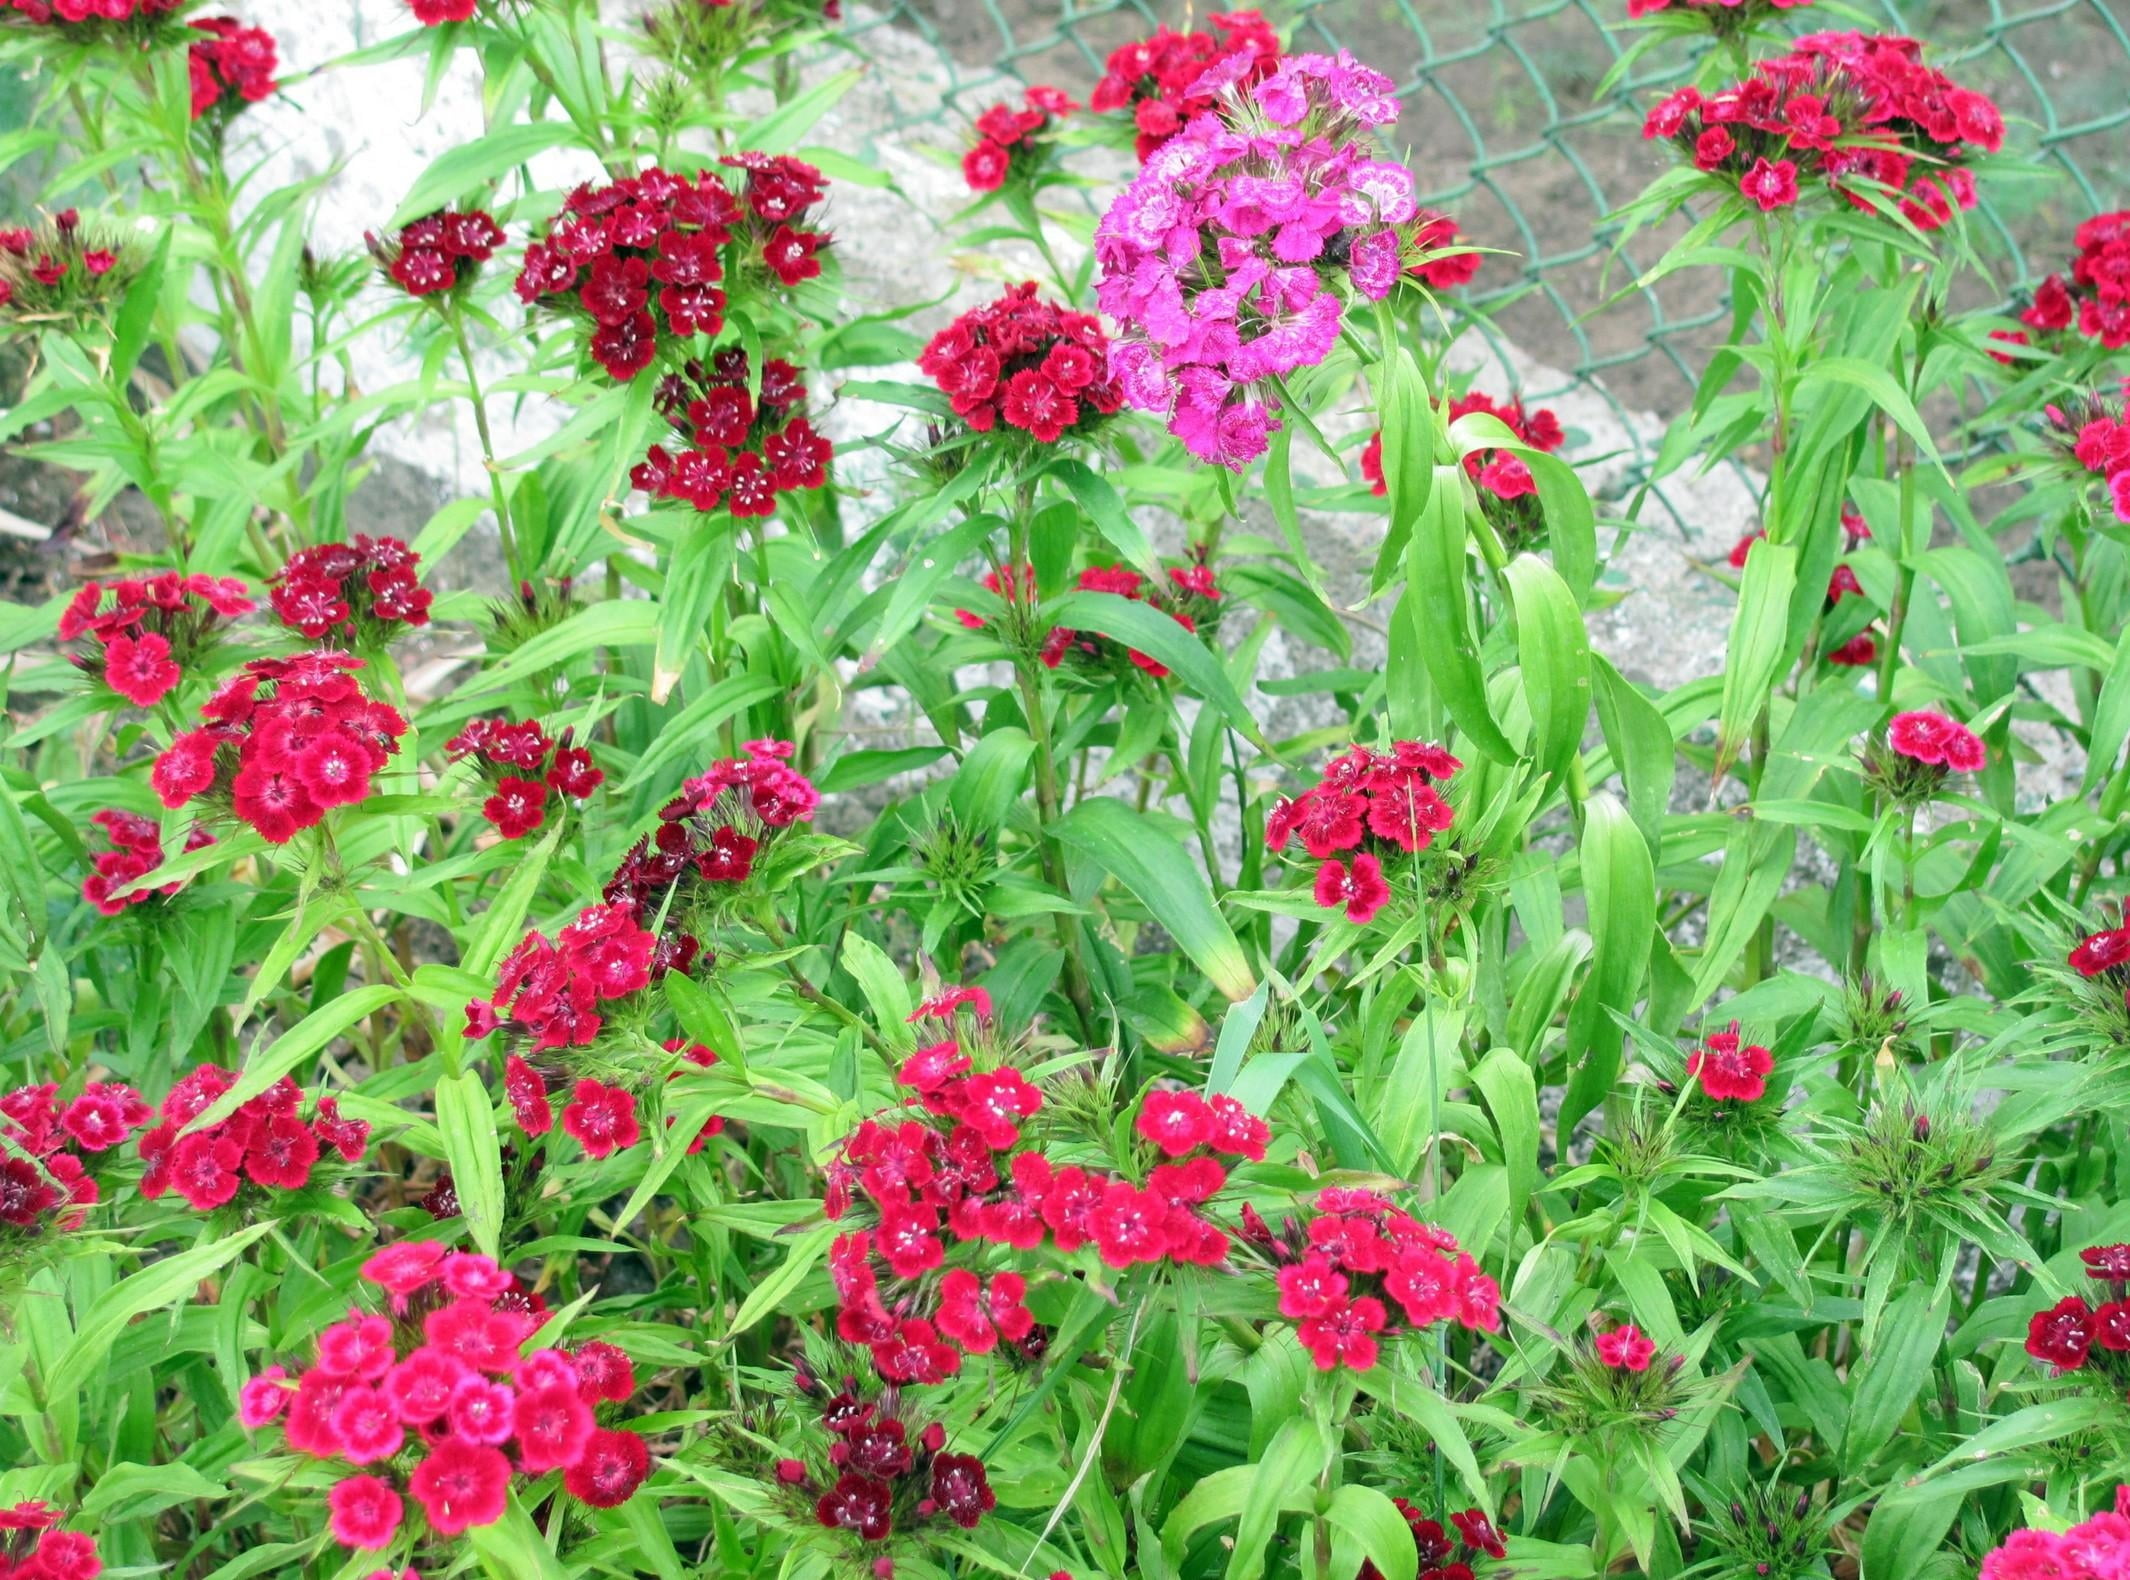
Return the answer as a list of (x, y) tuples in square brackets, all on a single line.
[(499, 498)]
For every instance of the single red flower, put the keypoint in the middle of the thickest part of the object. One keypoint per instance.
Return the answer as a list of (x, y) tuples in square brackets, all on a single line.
[(1626, 1348), (461, 1485)]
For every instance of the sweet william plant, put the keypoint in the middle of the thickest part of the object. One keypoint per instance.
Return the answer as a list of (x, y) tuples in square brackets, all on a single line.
[(593, 1115)]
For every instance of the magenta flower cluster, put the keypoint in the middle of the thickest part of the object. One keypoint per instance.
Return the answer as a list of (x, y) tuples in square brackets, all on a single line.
[(1222, 263)]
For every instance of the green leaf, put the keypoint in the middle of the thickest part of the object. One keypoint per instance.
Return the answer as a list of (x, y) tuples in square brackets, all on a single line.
[(990, 780), (1895, 1369), (513, 1548), (1438, 572), (1107, 511), (1512, 1098), (466, 1118), (1553, 651), (770, 1291), (470, 168), (779, 131), (1619, 887), (1131, 848), (1159, 636), (295, 1047), (1755, 652), (1366, 1525), (169, 1282)]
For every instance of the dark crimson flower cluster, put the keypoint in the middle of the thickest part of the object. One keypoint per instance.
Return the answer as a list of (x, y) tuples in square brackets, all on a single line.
[(265, 1141), (1376, 806), (551, 993), (2071, 1335), (1339, 1275), (1729, 1070), (435, 13), (954, 1164), (437, 253), (361, 590), (1011, 142), (136, 850), (711, 836), (1434, 232), (232, 67), (522, 768), (2096, 434), (1861, 112), (1158, 78), (2096, 297), (285, 741), (32, 1549), (1040, 368), (1854, 652), (61, 268), (1190, 596), (152, 629), (439, 1398), (1441, 1555), (2096, 1547), (645, 260), (744, 448), (89, 13), (882, 1476), (44, 1175), (1507, 489)]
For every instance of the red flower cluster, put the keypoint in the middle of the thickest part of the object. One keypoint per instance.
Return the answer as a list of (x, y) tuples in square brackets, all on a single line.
[(2096, 1548), (1189, 597), (360, 589), (745, 449), (2096, 298), (61, 268), (1010, 141), (2096, 433), (522, 767), (265, 1141), (42, 1168), (154, 628), (232, 67), (31, 1549), (716, 830), (1376, 805), (285, 741), (1859, 111), (438, 1398), (1435, 231), (80, 13), (643, 259), (438, 252), (881, 1476), (2066, 1335), (435, 13), (136, 850), (2104, 954), (1936, 741), (1504, 478), (1626, 1348), (964, 1172), (550, 991), (1441, 1555), (1158, 78), (1731, 1072), (1357, 1257), (1043, 369)]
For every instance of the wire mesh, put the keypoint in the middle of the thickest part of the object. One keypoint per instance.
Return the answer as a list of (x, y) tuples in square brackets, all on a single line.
[(1505, 129)]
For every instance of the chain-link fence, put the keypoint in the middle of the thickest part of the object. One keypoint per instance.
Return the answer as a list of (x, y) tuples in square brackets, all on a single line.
[(1505, 130)]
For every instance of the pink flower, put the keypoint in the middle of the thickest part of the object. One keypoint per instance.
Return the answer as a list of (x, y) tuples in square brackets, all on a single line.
[(1359, 889), (1626, 1349), (263, 1398), (461, 1485), (365, 1513), (1344, 1335), (1772, 185), (601, 1118), (1175, 1122), (608, 1472)]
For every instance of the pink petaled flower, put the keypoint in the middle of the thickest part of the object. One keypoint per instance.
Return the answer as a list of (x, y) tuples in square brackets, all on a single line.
[(601, 1118), (608, 1472), (365, 1513), (263, 1398), (140, 669), (1360, 888), (1729, 1071), (1772, 184), (1626, 1348), (461, 1485), (1175, 1122), (1344, 1335), (1934, 739), (553, 1425), (405, 1266)]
